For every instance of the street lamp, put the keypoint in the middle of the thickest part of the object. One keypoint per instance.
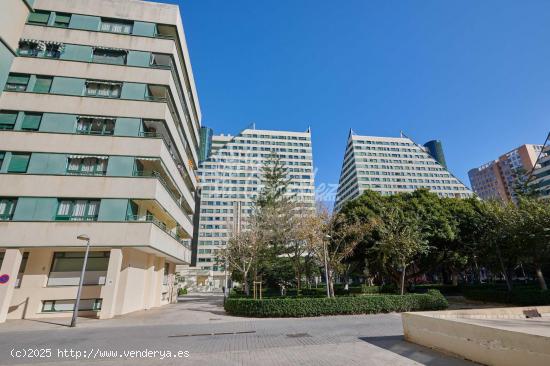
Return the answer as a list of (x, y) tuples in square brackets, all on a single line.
[(77, 303), (326, 263)]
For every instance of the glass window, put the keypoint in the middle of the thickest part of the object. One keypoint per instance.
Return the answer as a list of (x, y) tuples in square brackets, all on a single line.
[(103, 89), (19, 163), (52, 50), (95, 126), (31, 121), (2, 156), (29, 48), (7, 120), (87, 165), (109, 56), (7, 207), (77, 210), (68, 305), (17, 82), (62, 20), (116, 26), (39, 17), (161, 60), (42, 84)]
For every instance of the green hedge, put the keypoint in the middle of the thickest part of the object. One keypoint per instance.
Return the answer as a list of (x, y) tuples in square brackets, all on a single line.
[(519, 296), (182, 291), (367, 304)]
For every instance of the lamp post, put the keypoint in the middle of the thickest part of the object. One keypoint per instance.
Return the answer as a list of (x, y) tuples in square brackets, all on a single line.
[(326, 263), (77, 302)]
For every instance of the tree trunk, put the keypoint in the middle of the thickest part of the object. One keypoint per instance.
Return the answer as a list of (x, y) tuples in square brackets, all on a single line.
[(454, 276), (245, 284), (298, 278), (402, 285), (330, 283), (504, 270), (540, 277)]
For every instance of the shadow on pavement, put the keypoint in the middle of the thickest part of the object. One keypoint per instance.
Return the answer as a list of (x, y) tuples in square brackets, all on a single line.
[(423, 355)]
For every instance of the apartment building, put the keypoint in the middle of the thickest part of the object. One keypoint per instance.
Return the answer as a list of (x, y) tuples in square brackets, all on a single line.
[(390, 165), (540, 176), (99, 135), (497, 179), (231, 180)]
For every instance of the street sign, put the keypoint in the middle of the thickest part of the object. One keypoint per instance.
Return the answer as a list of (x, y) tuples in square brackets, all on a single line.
[(4, 278)]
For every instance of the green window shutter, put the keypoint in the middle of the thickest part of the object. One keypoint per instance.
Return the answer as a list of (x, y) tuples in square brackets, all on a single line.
[(7, 120), (2, 155), (43, 84), (62, 20), (31, 121), (19, 163), (39, 17)]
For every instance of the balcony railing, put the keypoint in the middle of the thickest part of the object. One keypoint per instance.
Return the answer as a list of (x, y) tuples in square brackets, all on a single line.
[(155, 174), (161, 225)]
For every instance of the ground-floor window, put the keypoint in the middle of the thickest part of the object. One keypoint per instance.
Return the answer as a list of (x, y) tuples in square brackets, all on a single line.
[(68, 305), (66, 268)]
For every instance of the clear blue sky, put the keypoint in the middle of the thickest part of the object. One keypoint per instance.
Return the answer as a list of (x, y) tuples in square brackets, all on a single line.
[(475, 74)]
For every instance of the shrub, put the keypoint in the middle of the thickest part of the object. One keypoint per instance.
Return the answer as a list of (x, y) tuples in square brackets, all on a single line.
[(522, 296), (182, 291), (366, 289), (304, 306)]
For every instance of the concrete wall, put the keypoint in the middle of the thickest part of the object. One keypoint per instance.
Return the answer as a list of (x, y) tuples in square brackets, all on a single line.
[(483, 344)]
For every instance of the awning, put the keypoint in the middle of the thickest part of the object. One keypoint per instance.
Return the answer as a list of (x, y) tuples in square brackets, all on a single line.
[(97, 117), (147, 159), (110, 49), (100, 157), (101, 82)]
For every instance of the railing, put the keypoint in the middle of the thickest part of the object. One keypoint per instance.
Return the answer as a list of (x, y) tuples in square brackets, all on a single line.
[(6, 217), (161, 225), (155, 174)]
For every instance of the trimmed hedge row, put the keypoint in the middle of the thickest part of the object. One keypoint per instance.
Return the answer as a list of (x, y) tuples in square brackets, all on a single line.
[(521, 297), (304, 306)]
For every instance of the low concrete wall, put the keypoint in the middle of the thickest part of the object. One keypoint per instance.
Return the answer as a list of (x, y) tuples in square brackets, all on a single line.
[(480, 343)]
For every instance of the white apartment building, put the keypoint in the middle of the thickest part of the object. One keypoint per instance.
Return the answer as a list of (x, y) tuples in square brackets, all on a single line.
[(390, 165), (99, 131), (230, 181)]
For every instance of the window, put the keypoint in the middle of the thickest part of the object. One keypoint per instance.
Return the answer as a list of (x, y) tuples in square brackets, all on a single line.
[(116, 26), (161, 60), (31, 121), (68, 305), (39, 17), (29, 48), (2, 156), (66, 268), (22, 267), (19, 162), (95, 125), (53, 50), (87, 165), (17, 82), (7, 207), (110, 56), (7, 120), (77, 210), (103, 89), (42, 84), (62, 20)]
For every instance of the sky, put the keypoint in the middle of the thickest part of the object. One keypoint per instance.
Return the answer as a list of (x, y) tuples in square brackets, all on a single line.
[(474, 74)]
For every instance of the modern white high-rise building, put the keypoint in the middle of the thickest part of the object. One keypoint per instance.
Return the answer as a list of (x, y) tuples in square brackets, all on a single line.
[(231, 180), (99, 122), (390, 165)]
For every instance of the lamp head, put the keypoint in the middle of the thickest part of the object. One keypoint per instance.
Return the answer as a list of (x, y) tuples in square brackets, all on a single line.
[(83, 237)]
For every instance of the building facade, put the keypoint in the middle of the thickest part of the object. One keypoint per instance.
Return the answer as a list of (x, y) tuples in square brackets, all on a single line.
[(390, 165), (99, 135), (498, 179), (540, 177), (230, 181)]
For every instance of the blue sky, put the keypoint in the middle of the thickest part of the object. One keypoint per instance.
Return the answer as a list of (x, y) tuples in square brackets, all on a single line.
[(475, 74)]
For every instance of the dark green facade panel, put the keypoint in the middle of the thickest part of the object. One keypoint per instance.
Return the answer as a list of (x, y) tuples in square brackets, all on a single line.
[(120, 166), (57, 122), (113, 209), (67, 86), (127, 127), (139, 58), (75, 52), (84, 22), (44, 163), (144, 29), (35, 209)]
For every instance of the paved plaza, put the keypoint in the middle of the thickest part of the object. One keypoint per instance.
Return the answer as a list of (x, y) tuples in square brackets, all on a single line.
[(199, 330)]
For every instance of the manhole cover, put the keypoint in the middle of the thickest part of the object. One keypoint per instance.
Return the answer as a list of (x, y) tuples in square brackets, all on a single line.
[(298, 335)]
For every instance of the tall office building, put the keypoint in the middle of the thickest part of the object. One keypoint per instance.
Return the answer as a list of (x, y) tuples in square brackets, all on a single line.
[(498, 179), (205, 143), (99, 123), (540, 177), (390, 165), (231, 180), (435, 149)]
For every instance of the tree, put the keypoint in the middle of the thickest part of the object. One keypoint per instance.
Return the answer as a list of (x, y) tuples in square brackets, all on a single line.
[(333, 238), (401, 241), (243, 250)]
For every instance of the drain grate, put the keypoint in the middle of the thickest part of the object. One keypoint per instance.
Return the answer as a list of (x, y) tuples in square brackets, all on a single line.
[(211, 334), (298, 335)]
